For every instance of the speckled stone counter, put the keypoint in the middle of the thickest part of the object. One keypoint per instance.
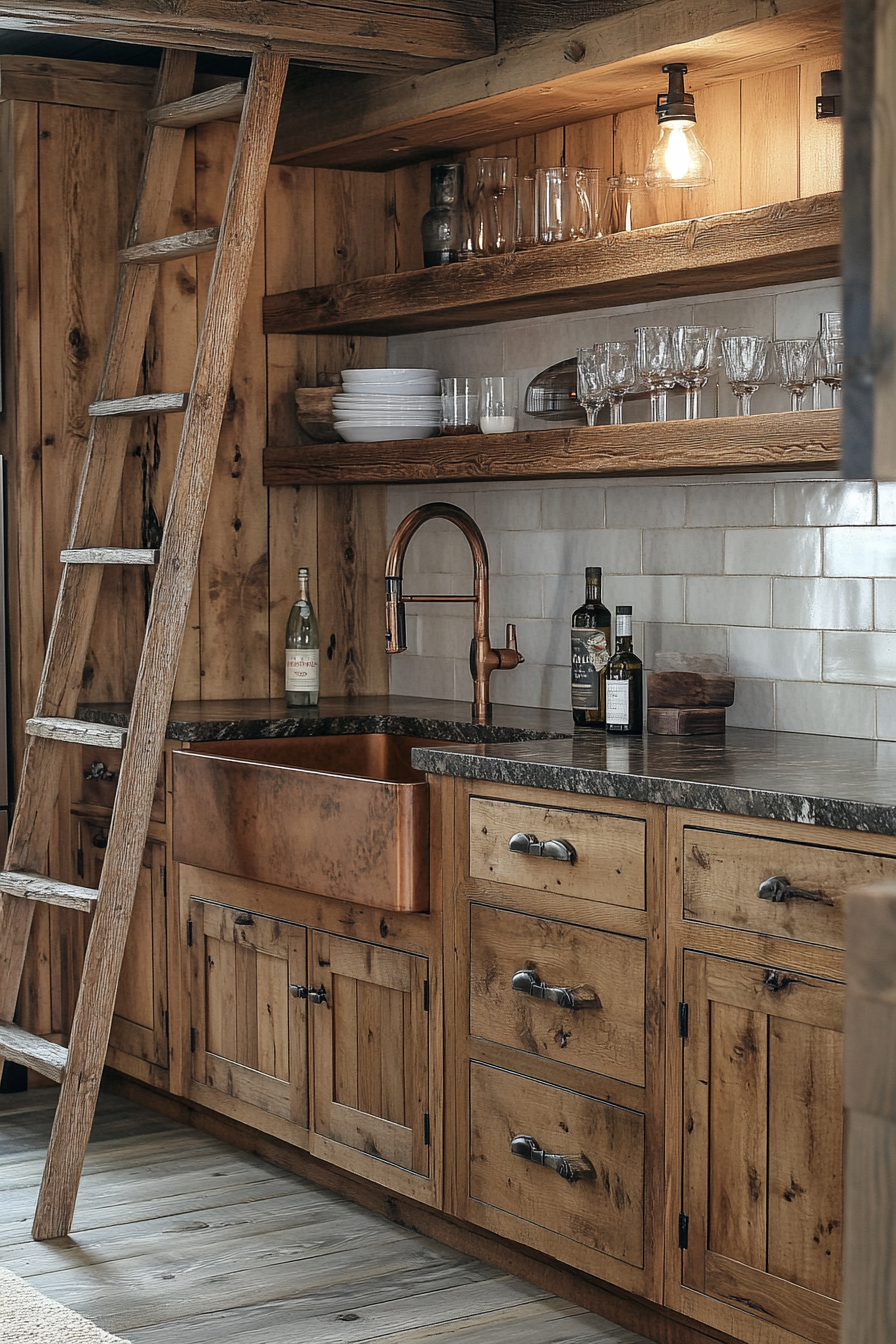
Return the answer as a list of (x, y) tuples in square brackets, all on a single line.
[(847, 783)]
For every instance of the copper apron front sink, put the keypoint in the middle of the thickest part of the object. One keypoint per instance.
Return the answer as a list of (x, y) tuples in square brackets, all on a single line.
[(337, 816)]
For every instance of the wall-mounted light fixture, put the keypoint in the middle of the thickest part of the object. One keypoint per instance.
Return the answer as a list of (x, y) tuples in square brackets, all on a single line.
[(678, 158), (830, 102)]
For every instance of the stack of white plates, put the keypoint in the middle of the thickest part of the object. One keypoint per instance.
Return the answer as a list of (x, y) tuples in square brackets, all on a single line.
[(380, 404)]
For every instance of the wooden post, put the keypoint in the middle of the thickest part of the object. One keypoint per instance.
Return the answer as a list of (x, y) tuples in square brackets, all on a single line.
[(869, 1297)]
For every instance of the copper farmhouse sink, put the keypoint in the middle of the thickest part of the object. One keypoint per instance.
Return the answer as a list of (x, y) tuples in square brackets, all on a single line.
[(345, 816)]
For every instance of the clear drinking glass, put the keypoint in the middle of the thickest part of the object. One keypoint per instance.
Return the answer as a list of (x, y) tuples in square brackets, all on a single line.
[(795, 363), (556, 205), (744, 356), (694, 353), (621, 374), (497, 405), (831, 325), (525, 233), (655, 365), (460, 405), (588, 183), (829, 365), (591, 381), (494, 206)]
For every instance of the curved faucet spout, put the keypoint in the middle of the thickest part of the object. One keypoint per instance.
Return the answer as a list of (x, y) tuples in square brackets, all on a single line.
[(483, 658)]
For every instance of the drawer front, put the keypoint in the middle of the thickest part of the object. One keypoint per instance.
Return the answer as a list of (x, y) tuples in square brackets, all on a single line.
[(604, 1208), (723, 872), (604, 972), (98, 780), (610, 851)]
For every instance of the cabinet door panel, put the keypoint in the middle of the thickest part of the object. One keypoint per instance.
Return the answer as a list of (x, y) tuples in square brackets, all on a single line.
[(249, 1029), (371, 1050), (763, 1141)]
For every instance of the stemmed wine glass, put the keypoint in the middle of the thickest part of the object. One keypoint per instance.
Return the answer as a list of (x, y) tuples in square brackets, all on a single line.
[(655, 365), (829, 365), (745, 358), (620, 366), (694, 350), (795, 359), (591, 382)]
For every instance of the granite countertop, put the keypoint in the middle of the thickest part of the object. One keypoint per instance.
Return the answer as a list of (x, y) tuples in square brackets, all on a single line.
[(847, 783)]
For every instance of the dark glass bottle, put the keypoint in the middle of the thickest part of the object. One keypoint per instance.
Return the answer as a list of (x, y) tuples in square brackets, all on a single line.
[(590, 650), (625, 680), (442, 226)]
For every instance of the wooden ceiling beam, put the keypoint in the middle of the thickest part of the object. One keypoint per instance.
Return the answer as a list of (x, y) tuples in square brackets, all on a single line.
[(416, 35), (603, 66)]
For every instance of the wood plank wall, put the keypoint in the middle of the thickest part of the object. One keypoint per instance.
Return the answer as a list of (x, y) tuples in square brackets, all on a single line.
[(761, 134)]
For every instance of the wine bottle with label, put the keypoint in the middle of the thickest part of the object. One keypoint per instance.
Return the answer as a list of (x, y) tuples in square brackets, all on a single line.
[(590, 650), (624, 680), (302, 650)]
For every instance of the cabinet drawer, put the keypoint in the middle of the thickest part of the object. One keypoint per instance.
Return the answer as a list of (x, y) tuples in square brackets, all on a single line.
[(97, 780), (723, 872), (605, 972), (604, 1208), (610, 851)]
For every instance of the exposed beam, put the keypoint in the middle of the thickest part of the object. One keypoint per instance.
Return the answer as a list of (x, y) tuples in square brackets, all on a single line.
[(606, 65), (349, 34)]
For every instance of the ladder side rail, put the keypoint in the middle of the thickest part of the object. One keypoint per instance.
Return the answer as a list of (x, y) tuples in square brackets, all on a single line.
[(94, 518), (168, 611)]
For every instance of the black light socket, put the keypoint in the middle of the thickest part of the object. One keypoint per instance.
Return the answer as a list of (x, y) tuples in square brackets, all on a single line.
[(675, 104), (830, 101)]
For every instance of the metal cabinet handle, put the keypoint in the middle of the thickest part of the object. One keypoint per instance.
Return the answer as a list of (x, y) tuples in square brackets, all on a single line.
[(299, 991), (561, 850), (527, 982), (97, 770), (572, 1169), (778, 889), (318, 995), (244, 920), (99, 839)]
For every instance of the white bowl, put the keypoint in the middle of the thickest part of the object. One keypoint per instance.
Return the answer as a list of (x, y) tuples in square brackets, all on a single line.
[(425, 387), (368, 419), (388, 403), (383, 433), (387, 375)]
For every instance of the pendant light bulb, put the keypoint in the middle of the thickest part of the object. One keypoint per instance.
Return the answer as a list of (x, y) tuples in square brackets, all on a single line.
[(678, 158)]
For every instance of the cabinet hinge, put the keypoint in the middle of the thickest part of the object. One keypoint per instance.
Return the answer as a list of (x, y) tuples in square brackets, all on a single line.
[(682, 1231), (426, 1129), (189, 933), (683, 1015), (79, 862), (192, 1040), (426, 996)]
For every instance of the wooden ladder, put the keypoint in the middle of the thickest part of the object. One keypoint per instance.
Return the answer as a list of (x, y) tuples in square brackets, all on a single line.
[(79, 1067)]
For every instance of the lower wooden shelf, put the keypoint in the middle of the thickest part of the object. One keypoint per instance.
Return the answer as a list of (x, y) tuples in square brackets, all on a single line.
[(785, 441)]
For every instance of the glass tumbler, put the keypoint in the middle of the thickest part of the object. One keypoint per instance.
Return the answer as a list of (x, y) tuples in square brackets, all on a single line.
[(460, 406), (494, 206), (497, 405), (588, 182), (525, 233)]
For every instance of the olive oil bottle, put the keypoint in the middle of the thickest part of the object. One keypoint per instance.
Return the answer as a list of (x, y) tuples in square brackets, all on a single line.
[(302, 650), (590, 650), (624, 680)]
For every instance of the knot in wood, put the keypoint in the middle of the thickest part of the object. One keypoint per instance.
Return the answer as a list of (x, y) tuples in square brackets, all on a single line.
[(573, 51)]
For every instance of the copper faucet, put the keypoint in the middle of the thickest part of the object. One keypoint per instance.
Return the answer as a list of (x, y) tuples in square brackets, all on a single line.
[(484, 660)]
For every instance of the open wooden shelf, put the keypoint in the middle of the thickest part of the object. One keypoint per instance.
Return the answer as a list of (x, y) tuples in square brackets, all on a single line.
[(788, 242), (785, 441)]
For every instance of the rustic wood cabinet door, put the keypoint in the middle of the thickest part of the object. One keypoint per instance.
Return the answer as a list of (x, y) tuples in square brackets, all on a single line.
[(249, 1035), (370, 1043), (140, 1025), (763, 1134)]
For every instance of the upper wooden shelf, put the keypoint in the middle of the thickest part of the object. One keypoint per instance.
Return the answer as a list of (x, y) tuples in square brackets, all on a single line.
[(786, 242), (785, 441)]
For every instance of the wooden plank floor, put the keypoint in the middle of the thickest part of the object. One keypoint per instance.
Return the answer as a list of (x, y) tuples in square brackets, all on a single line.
[(179, 1237)]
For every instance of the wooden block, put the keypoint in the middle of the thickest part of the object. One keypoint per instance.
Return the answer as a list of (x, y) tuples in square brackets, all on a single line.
[(688, 689), (668, 661), (683, 722), (314, 409)]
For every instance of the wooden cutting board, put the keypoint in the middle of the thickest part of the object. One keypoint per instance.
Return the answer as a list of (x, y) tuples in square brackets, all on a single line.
[(686, 689), (678, 722)]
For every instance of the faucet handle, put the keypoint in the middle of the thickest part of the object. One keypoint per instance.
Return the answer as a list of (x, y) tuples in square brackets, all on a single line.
[(511, 656), (510, 636)]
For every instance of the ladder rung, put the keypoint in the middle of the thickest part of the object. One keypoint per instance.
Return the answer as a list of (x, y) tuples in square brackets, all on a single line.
[(108, 555), (36, 887), (169, 249), (74, 730), (213, 105), (34, 1052), (160, 403)]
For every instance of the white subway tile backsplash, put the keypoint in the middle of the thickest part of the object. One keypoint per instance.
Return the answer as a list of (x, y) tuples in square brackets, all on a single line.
[(886, 503), (731, 505), (754, 704), (729, 600), (824, 503), (653, 597), (886, 713), (885, 604), (822, 604), (797, 311), (823, 707), (868, 658), (642, 505), (867, 551), (513, 597), (682, 639), (779, 551), (507, 511), (775, 654), (545, 642), (573, 508), (683, 551)]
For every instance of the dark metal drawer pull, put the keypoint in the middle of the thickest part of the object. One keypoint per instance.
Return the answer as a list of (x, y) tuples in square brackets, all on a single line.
[(527, 982), (318, 995), (572, 1169), (561, 850), (778, 889), (299, 991), (97, 770), (245, 921)]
